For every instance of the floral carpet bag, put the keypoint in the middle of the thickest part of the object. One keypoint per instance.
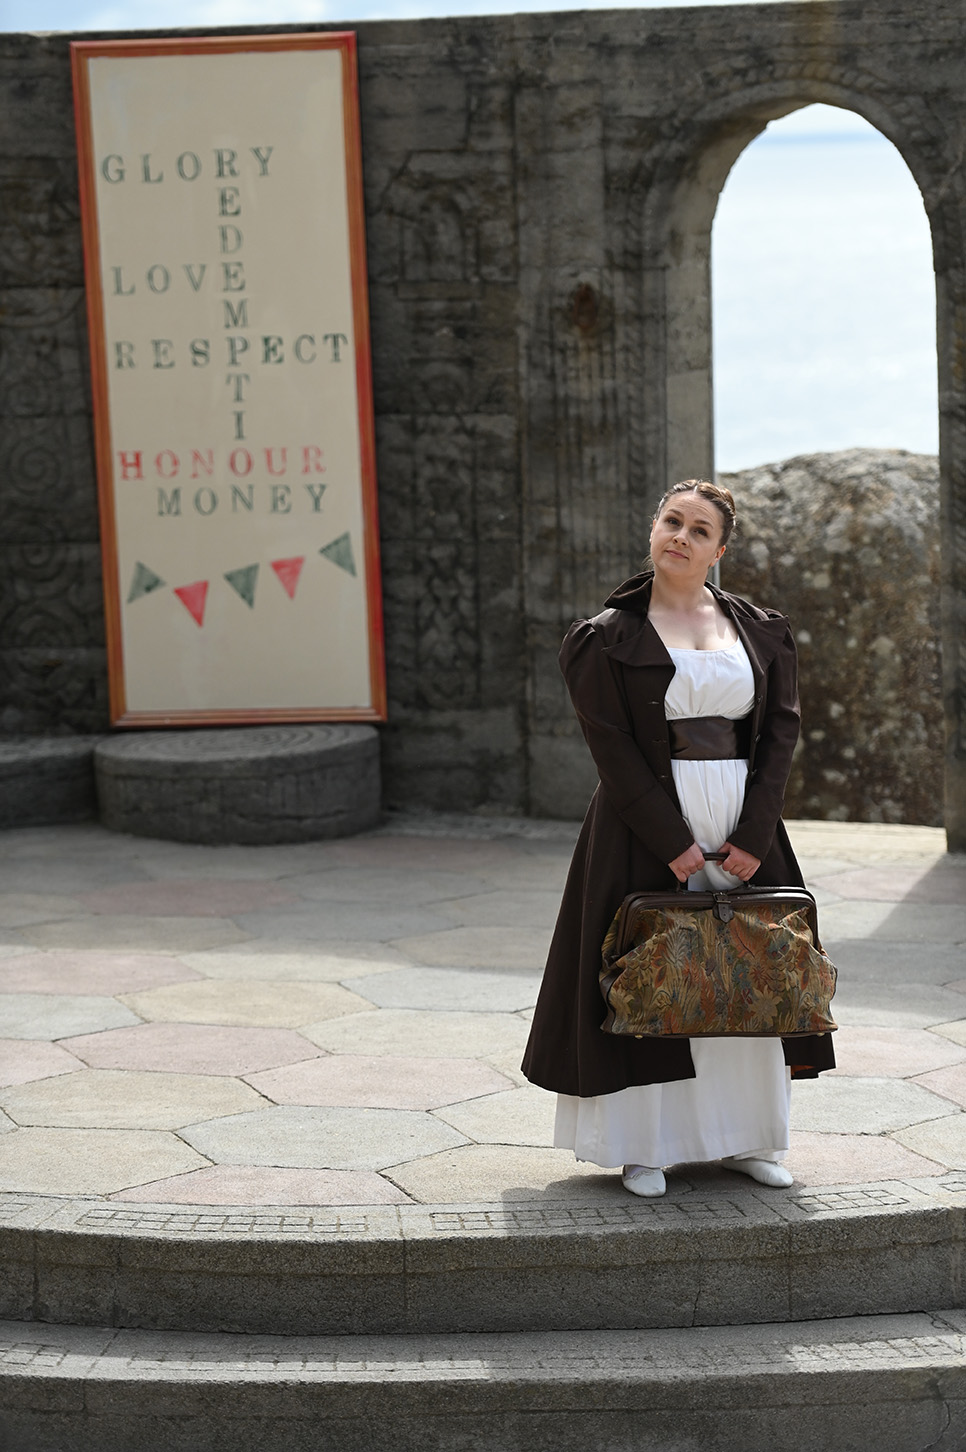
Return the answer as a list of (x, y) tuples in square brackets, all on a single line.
[(707, 964)]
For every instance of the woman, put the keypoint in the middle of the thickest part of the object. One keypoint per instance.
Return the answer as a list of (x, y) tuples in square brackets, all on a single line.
[(669, 647)]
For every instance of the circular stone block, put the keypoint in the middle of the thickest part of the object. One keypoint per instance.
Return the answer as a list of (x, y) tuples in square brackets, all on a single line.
[(253, 785), (46, 781)]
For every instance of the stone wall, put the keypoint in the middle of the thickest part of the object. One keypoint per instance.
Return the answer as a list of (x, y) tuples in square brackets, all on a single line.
[(847, 545), (539, 195)]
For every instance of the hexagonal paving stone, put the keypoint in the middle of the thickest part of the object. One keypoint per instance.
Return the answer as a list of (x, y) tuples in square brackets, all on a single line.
[(507, 1174), (18, 909), (58, 1015), (904, 922), (422, 1035), (949, 1082), (864, 842), (321, 921), (398, 883), (298, 962), (173, 861), (509, 1064), (136, 934), (467, 989), (121, 1099), (519, 1116), (893, 1005), (942, 882), (90, 1161), (871, 963), (247, 1003), (428, 853), (23, 1060), (104, 973), (943, 1140), (258, 1185), (521, 908), (546, 872), (853, 1159), (333, 1139), (66, 869), (192, 1048), (955, 1031), (378, 1083), (195, 897), (892, 1053), (486, 947), (862, 1106)]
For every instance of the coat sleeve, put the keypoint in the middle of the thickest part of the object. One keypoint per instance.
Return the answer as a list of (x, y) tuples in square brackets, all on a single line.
[(777, 736), (629, 782)]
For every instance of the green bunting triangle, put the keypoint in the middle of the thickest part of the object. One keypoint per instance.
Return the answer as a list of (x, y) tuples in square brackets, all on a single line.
[(243, 583), (340, 553), (143, 582)]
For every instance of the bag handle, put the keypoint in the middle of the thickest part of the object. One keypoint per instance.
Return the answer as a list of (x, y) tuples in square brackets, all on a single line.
[(708, 857)]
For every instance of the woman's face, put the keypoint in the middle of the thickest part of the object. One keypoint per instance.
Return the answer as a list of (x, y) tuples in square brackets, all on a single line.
[(686, 536)]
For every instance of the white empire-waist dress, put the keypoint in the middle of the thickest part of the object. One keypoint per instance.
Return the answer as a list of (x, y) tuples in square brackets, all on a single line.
[(738, 1101)]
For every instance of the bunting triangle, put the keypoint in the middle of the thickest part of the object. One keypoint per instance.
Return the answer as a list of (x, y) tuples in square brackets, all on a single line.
[(143, 582), (243, 583), (192, 598), (288, 572), (339, 551)]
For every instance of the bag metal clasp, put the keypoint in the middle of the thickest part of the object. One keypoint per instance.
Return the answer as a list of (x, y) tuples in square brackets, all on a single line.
[(723, 910)]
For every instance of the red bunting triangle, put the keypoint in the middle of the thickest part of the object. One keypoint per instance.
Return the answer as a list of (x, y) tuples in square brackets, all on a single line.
[(288, 572), (192, 598)]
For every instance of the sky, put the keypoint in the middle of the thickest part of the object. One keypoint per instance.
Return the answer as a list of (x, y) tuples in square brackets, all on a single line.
[(823, 296), (822, 285), (147, 14)]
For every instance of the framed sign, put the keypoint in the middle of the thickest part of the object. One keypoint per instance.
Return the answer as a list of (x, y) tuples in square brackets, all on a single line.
[(222, 211)]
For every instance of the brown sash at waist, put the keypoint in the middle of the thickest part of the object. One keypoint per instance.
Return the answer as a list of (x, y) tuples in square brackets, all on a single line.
[(710, 738)]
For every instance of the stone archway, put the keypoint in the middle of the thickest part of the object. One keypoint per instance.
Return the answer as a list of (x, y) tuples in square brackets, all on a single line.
[(676, 220)]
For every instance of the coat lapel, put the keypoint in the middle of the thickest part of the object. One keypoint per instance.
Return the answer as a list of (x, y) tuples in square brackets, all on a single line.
[(761, 639), (643, 648)]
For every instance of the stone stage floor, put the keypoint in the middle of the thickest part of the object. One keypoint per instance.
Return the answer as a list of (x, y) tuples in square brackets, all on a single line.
[(342, 1023)]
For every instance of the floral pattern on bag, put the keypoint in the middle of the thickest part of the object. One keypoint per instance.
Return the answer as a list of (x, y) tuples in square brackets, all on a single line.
[(691, 975)]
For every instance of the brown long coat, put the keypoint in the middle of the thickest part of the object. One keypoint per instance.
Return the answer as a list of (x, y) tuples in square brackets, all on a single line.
[(618, 671)]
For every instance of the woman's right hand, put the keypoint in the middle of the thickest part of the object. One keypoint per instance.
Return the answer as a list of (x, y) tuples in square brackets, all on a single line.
[(687, 862)]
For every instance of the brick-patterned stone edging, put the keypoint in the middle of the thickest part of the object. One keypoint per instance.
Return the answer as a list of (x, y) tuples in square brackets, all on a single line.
[(744, 1257)]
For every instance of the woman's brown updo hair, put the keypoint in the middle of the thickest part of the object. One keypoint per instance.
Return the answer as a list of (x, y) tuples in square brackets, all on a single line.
[(715, 494)]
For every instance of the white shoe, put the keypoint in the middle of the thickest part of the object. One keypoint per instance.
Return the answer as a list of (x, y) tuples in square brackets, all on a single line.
[(643, 1180), (766, 1172)]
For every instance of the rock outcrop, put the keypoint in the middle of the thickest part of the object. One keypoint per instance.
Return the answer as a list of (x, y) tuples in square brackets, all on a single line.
[(847, 544)]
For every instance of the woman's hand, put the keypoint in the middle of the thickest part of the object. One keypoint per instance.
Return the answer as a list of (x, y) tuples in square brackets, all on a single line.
[(738, 863), (688, 862)]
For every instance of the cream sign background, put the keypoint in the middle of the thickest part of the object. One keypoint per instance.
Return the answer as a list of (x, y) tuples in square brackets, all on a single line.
[(223, 231)]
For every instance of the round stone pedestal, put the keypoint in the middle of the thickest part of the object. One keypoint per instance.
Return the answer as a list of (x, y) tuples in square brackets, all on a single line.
[(46, 781), (254, 785)]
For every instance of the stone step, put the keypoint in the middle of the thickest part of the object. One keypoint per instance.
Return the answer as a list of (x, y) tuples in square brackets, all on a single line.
[(735, 1256), (882, 1382), (47, 780), (248, 784)]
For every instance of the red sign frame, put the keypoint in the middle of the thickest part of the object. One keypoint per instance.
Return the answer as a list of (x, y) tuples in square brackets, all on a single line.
[(123, 714)]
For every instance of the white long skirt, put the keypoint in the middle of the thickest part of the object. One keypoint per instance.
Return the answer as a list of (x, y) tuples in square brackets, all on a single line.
[(738, 1102)]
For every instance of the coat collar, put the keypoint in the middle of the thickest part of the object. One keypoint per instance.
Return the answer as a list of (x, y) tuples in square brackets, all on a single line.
[(635, 642)]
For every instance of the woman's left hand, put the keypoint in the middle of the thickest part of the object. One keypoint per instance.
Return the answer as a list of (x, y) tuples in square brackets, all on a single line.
[(738, 863)]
